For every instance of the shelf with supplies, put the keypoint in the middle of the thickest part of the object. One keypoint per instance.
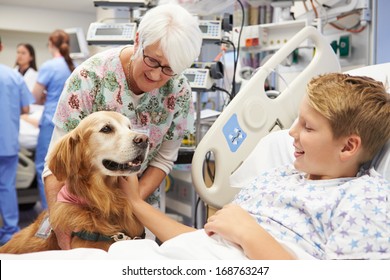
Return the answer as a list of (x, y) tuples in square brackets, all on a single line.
[(269, 36)]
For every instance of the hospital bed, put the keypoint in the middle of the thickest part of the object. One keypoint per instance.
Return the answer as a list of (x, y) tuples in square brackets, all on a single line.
[(252, 115), (27, 189), (250, 118)]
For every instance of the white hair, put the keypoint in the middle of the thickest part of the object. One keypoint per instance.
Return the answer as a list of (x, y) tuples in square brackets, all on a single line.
[(177, 32)]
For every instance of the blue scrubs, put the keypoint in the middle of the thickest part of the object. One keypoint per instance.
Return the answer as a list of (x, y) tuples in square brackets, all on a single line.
[(53, 75), (14, 95)]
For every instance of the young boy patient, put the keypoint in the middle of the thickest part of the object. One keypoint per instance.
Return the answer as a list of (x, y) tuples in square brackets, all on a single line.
[(326, 204)]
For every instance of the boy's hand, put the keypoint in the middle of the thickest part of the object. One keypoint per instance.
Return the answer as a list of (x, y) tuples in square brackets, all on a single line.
[(130, 187), (231, 222)]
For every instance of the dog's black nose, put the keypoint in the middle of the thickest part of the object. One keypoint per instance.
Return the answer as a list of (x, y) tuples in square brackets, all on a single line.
[(141, 141)]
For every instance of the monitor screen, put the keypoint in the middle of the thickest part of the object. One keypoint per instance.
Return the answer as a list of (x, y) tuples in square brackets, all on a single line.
[(109, 31), (78, 43), (190, 77), (204, 28)]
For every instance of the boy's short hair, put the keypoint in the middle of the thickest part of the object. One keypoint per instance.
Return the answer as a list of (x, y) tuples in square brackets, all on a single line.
[(353, 105)]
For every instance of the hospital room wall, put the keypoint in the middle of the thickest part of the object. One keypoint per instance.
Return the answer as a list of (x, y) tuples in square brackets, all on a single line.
[(30, 25), (382, 40)]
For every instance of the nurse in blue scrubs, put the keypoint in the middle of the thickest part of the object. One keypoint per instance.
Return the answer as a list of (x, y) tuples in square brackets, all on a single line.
[(15, 100), (52, 76)]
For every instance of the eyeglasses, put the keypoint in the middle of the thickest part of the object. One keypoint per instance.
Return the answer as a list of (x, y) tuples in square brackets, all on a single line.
[(153, 63)]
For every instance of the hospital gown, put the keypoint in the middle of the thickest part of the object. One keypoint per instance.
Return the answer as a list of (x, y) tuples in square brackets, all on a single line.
[(344, 218)]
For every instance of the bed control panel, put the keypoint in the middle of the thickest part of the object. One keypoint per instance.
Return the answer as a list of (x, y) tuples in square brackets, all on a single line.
[(234, 134)]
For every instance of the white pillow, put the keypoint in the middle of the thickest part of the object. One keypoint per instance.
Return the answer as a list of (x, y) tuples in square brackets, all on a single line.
[(272, 150), (381, 162), (277, 149)]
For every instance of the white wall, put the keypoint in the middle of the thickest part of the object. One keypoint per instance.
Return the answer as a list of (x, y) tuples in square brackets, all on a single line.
[(11, 39), (382, 34), (31, 25)]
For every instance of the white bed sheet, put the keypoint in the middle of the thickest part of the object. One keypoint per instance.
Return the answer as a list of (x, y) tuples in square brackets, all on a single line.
[(194, 245), (28, 133), (189, 246)]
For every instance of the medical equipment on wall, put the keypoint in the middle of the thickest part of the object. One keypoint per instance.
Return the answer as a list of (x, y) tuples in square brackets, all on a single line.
[(125, 3), (117, 21), (78, 43), (336, 8), (199, 78), (268, 37), (251, 115), (202, 80), (211, 29), (111, 33), (181, 199), (204, 7)]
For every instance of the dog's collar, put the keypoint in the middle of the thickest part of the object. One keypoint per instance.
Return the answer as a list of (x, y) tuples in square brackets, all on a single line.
[(95, 236), (65, 196)]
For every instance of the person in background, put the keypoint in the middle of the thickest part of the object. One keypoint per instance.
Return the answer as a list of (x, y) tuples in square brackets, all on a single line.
[(26, 64), (52, 76), (15, 100), (144, 82)]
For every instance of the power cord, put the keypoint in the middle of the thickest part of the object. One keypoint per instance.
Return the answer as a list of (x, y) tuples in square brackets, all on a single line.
[(211, 175), (215, 88), (233, 93)]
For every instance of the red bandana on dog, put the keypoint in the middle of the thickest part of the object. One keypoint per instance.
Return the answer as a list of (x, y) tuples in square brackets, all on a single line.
[(65, 196)]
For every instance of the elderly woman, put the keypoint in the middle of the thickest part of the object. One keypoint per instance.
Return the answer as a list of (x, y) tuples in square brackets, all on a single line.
[(144, 83)]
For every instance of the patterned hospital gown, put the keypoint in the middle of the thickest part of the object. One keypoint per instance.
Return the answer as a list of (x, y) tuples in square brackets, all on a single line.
[(100, 84), (344, 218)]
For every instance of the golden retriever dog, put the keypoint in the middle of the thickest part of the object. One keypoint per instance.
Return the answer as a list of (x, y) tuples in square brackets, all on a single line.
[(89, 160)]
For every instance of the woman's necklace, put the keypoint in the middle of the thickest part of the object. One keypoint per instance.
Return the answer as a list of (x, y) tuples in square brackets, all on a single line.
[(130, 81), (128, 75)]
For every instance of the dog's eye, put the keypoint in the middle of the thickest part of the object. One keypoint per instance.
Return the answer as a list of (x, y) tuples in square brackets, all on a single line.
[(106, 129)]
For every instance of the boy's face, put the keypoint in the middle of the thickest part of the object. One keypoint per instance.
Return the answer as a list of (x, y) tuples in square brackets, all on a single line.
[(316, 152)]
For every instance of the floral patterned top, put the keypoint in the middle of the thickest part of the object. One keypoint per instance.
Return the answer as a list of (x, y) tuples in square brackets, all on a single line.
[(100, 83)]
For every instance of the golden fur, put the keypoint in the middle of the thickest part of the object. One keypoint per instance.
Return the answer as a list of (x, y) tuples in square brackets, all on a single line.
[(90, 159)]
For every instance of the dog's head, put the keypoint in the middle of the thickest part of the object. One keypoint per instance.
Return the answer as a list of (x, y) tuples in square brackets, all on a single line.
[(103, 142)]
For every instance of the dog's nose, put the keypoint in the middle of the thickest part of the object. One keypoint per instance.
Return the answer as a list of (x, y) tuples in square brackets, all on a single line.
[(141, 141)]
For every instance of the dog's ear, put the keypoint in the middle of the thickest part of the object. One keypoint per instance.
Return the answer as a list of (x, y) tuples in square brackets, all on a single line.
[(64, 158)]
